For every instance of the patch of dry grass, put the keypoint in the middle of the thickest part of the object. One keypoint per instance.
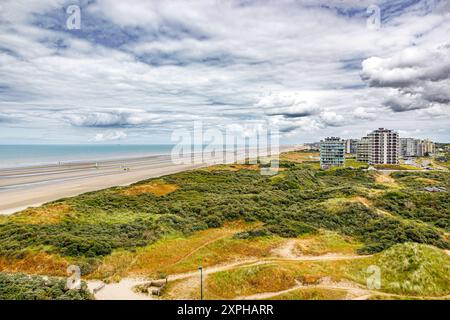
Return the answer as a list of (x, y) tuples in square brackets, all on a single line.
[(300, 157), (47, 214), (384, 178), (157, 188), (427, 181), (35, 263), (326, 242), (366, 202), (271, 277)]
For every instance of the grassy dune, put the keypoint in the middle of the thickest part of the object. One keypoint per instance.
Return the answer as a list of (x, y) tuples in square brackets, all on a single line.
[(271, 277), (225, 213), (408, 269), (178, 253)]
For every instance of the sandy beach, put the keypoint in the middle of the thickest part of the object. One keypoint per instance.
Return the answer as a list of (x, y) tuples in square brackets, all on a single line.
[(25, 187)]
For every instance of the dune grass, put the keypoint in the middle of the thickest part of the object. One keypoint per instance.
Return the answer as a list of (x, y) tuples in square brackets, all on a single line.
[(51, 213), (300, 156), (36, 263), (312, 294), (271, 277), (172, 224), (158, 188), (327, 242), (178, 253), (351, 162), (408, 269)]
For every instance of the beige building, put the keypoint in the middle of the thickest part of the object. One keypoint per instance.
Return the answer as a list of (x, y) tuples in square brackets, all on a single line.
[(425, 147), (362, 150), (411, 147)]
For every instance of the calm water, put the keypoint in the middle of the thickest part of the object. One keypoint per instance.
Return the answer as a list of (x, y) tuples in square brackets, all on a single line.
[(25, 155)]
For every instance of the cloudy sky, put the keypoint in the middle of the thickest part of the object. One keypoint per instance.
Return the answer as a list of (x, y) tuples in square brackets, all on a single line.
[(137, 70)]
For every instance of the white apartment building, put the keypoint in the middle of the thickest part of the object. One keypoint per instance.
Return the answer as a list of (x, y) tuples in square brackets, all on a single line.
[(331, 152), (384, 146)]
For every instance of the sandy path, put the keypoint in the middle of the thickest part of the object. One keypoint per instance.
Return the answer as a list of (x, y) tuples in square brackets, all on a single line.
[(122, 290), (267, 295), (353, 289), (286, 250)]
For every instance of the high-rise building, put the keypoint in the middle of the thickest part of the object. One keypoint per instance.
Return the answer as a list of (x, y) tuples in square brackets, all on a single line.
[(362, 150), (351, 146), (425, 147), (331, 152), (410, 147), (384, 146)]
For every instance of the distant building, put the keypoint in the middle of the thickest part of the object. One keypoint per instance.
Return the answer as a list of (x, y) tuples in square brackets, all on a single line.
[(410, 147), (384, 146), (313, 145), (331, 152), (351, 146), (362, 150), (425, 148)]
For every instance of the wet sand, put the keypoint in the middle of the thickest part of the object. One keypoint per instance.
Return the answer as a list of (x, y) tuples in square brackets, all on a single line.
[(25, 187)]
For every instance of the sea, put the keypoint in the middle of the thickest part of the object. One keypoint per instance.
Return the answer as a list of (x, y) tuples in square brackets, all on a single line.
[(31, 155)]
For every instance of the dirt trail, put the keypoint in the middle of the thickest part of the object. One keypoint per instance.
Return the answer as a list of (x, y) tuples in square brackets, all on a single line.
[(205, 245), (122, 290), (286, 250), (385, 177), (354, 290), (218, 268), (267, 295)]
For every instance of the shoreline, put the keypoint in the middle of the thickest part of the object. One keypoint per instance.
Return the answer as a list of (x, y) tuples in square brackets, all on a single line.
[(33, 186)]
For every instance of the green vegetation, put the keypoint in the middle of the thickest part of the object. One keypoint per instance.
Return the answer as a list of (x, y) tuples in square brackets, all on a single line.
[(24, 287), (396, 167), (408, 269), (413, 202), (443, 158), (300, 200), (351, 162)]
